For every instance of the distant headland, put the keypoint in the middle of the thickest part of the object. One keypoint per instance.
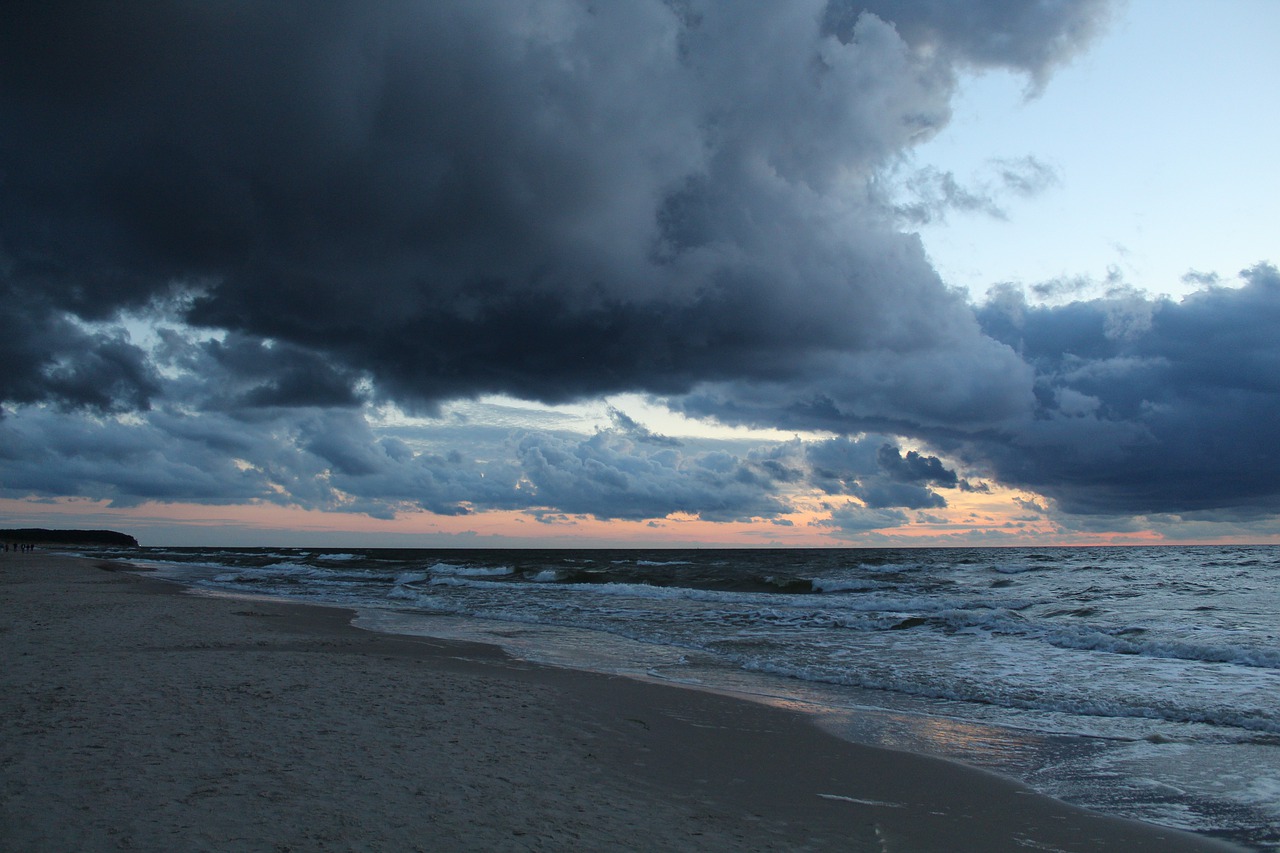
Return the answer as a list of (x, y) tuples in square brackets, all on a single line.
[(40, 536)]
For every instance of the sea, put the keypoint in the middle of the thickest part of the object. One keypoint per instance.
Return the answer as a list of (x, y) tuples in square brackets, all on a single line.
[(1137, 681)]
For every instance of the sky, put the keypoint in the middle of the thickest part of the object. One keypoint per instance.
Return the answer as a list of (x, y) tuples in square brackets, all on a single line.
[(656, 273)]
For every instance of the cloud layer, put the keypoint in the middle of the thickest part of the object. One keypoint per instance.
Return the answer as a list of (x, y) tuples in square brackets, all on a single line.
[(336, 460), (372, 202)]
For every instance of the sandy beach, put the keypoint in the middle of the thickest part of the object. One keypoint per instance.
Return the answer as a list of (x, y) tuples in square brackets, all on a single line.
[(137, 716)]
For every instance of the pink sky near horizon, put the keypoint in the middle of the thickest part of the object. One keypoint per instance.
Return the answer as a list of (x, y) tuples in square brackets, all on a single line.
[(264, 525)]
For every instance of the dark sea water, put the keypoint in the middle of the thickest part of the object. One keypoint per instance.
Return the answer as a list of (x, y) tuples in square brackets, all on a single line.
[(1143, 682)]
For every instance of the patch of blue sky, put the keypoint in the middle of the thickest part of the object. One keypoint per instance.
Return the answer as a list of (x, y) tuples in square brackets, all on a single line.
[(1161, 139)]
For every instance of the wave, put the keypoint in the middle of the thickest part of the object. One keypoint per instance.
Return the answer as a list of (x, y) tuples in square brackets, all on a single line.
[(1248, 719), (1086, 639), (454, 570), (291, 572), (1016, 568), (839, 585)]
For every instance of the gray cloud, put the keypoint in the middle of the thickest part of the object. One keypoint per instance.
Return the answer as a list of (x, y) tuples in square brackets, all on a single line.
[(850, 520), (882, 495), (238, 371), (170, 459), (1076, 286), (49, 356), (1148, 405), (933, 382), (1025, 176), (935, 193), (1010, 33), (878, 473), (913, 467), (932, 193), (610, 476)]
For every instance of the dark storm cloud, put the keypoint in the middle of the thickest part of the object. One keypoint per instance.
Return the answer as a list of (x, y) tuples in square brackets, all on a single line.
[(1149, 405), (193, 461), (945, 383), (238, 372), (913, 467), (1033, 35), (882, 495), (48, 356), (546, 199), (329, 206), (878, 474), (837, 464)]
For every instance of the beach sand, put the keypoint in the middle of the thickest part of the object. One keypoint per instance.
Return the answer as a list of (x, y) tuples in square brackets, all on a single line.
[(136, 716)]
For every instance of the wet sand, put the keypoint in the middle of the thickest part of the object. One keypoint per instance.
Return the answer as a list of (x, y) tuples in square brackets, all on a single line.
[(137, 716)]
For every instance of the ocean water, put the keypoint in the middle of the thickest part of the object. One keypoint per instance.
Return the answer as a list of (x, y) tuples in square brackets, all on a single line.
[(1143, 682)]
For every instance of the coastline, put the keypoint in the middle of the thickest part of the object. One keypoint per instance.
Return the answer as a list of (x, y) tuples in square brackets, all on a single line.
[(136, 716)]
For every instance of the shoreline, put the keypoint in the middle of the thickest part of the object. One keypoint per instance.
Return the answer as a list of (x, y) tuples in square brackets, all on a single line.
[(137, 716)]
